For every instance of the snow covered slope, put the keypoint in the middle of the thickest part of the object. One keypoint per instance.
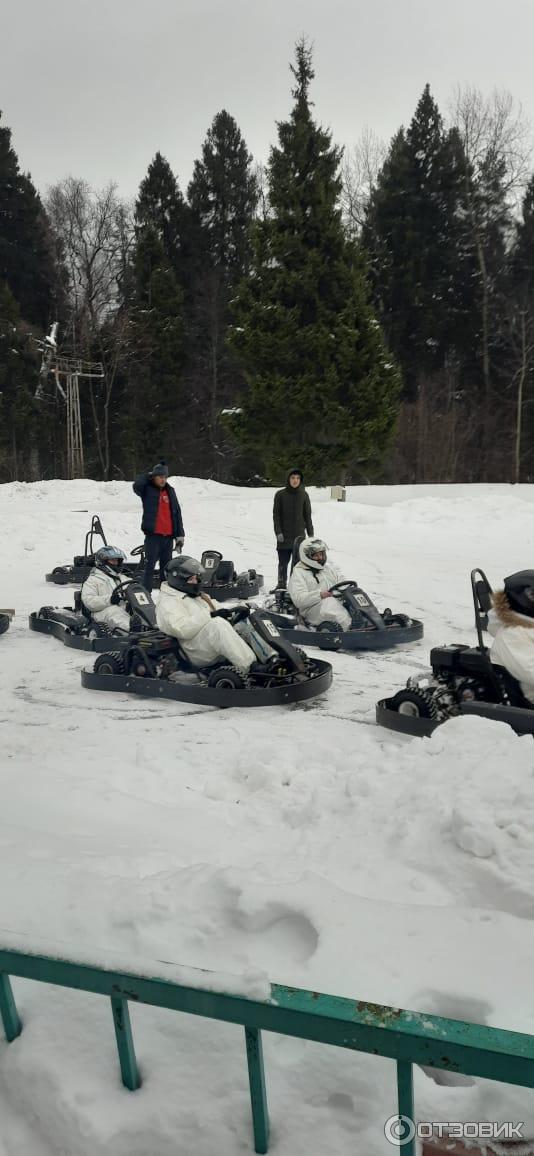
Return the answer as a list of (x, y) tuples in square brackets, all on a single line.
[(302, 842)]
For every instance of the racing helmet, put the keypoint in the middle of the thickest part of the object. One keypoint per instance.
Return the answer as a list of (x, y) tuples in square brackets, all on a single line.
[(519, 590), (110, 559), (312, 553), (178, 572)]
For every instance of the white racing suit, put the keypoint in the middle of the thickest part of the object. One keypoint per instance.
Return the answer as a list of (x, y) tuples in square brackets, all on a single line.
[(513, 647), (304, 588), (96, 596), (205, 639)]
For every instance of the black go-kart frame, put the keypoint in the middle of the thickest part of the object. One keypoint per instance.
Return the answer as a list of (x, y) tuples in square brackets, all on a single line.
[(153, 664), (220, 577), (5, 619), (75, 627), (462, 681), (372, 630)]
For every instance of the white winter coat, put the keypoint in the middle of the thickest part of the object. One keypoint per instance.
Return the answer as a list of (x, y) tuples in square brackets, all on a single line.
[(304, 588), (513, 645), (203, 639), (96, 596)]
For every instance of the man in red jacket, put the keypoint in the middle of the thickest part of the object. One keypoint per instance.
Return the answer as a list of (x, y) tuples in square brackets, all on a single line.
[(162, 520)]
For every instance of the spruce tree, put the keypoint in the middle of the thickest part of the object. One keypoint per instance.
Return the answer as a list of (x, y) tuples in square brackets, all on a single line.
[(27, 259), (322, 390), (161, 207), (18, 376), (422, 264), (223, 197), (157, 406)]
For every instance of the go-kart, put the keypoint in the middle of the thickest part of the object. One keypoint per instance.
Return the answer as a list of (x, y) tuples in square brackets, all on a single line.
[(369, 630), (153, 664), (76, 573), (221, 579), (5, 619), (75, 627), (463, 681)]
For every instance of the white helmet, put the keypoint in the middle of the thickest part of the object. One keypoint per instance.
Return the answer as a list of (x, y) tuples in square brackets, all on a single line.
[(312, 553)]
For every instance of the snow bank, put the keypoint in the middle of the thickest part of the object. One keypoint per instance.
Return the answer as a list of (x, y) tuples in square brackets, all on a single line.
[(303, 844)]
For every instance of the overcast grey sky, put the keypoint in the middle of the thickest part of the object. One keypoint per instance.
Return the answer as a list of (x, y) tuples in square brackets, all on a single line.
[(93, 88)]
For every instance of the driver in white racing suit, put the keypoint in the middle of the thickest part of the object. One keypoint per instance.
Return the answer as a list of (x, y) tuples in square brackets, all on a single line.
[(201, 625), (310, 584), (99, 591), (511, 623)]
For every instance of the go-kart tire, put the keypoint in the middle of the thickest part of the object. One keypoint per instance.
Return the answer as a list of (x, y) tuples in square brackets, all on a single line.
[(4, 623), (226, 678), (398, 620), (111, 663), (60, 575), (331, 636), (413, 704)]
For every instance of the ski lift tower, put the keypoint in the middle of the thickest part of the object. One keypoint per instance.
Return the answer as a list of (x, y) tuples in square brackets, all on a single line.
[(70, 369)]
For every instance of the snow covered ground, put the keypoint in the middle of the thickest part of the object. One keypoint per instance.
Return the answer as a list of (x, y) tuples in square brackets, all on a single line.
[(304, 842)]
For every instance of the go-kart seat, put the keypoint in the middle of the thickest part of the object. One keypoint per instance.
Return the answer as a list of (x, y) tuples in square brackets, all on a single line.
[(79, 605), (225, 573), (512, 688), (483, 594), (295, 556)]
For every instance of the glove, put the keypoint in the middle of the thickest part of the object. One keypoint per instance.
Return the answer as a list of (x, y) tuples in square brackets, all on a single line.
[(223, 612), (115, 598), (239, 613), (279, 538), (179, 541)]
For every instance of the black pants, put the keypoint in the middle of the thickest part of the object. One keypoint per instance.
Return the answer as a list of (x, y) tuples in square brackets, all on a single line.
[(284, 558), (158, 548)]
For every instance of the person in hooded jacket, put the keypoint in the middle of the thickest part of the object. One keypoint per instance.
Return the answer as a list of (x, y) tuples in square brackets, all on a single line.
[(511, 623), (310, 584), (162, 520), (201, 626), (99, 591), (292, 517)]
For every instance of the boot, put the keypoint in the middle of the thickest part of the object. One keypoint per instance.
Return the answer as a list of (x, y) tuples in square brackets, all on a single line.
[(272, 666)]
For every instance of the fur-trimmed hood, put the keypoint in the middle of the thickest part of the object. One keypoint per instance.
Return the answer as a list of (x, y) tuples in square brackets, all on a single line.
[(506, 615)]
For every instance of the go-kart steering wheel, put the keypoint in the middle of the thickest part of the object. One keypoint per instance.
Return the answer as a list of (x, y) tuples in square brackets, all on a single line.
[(232, 614), (339, 587), (138, 550), (241, 612), (120, 587)]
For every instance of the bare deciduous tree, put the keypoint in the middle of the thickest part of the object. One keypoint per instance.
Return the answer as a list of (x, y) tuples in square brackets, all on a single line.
[(494, 125), (360, 167), (94, 231), (496, 138)]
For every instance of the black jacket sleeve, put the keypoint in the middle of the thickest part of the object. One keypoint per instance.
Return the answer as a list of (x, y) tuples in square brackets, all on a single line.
[(140, 485), (178, 525), (277, 511), (180, 532), (308, 516)]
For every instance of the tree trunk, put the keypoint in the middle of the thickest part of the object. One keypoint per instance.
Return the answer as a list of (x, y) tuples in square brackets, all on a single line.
[(521, 377)]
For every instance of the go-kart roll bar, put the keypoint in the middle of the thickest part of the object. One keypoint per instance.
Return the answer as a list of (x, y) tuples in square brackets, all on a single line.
[(95, 531)]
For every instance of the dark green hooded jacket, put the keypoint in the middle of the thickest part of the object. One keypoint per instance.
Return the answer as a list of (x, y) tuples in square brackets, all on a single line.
[(292, 514)]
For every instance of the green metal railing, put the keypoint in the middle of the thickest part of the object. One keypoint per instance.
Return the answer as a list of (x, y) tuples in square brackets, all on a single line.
[(407, 1037)]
